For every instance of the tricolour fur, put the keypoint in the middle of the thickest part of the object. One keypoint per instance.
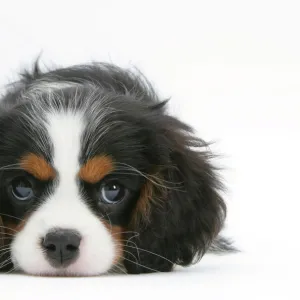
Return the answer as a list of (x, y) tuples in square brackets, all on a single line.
[(88, 125)]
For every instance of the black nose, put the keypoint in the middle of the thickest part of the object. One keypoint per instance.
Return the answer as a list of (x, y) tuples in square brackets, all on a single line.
[(61, 247)]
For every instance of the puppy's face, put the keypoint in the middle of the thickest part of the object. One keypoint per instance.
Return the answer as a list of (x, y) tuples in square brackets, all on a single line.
[(92, 177)]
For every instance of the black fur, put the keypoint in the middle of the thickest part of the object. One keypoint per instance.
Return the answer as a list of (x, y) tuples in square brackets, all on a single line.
[(186, 212), (190, 214)]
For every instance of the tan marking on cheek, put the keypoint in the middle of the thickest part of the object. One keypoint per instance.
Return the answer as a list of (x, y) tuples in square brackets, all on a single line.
[(96, 168), (116, 234), (151, 194), (37, 166), (15, 228), (143, 206)]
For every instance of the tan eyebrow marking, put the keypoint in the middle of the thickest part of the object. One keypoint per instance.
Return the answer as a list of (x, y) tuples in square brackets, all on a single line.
[(96, 168), (37, 166)]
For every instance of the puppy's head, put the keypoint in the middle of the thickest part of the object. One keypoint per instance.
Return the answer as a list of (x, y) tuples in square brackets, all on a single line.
[(95, 174)]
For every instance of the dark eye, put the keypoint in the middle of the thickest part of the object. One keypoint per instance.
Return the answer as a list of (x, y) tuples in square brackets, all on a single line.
[(112, 192), (21, 189)]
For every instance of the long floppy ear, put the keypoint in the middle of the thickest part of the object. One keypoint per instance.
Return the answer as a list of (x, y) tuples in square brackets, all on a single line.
[(180, 211)]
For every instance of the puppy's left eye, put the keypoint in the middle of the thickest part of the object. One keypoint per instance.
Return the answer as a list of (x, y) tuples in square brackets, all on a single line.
[(112, 192), (22, 189)]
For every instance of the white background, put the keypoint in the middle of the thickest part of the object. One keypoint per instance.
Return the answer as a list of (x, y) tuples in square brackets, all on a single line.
[(232, 69)]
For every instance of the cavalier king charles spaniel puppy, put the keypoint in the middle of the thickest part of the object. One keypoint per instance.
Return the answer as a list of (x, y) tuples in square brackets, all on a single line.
[(95, 176)]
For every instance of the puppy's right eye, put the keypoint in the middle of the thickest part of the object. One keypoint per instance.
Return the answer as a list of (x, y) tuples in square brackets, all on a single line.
[(22, 189), (112, 192)]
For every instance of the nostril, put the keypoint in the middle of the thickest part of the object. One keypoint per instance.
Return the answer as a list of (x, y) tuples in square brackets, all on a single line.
[(47, 245), (71, 248), (50, 247)]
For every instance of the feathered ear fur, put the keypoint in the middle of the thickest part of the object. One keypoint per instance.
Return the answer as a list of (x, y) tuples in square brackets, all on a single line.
[(180, 211)]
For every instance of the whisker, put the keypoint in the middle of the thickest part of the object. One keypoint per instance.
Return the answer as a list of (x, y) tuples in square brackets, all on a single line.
[(131, 254), (9, 234), (10, 169), (136, 247), (5, 252), (141, 265), (7, 262), (152, 178), (6, 215), (144, 250), (123, 173), (111, 227), (11, 270), (153, 253), (136, 233), (119, 268), (6, 247), (5, 227), (4, 265), (2, 247), (10, 166)]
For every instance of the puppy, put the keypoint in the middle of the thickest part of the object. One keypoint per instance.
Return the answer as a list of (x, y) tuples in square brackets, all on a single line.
[(95, 175)]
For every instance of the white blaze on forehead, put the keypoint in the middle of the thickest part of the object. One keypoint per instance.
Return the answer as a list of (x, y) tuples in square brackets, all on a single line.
[(65, 208), (65, 131)]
